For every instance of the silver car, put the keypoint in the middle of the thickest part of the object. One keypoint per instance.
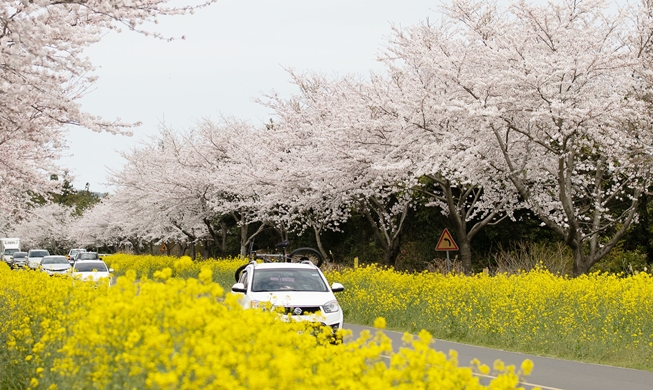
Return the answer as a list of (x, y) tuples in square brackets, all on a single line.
[(18, 260), (34, 257), (55, 265)]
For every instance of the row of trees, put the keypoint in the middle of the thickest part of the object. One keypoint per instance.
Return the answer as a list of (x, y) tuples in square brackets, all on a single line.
[(482, 114), (43, 74)]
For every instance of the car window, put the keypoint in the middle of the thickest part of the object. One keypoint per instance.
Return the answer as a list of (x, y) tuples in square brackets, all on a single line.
[(288, 280), (91, 266), (38, 253), (87, 256), (54, 260), (10, 251), (18, 255)]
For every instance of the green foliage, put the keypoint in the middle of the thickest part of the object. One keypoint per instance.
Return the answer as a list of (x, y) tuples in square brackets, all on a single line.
[(71, 197), (620, 261)]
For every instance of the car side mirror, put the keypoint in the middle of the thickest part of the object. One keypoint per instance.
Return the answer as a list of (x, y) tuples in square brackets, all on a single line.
[(337, 287), (239, 288), (111, 270)]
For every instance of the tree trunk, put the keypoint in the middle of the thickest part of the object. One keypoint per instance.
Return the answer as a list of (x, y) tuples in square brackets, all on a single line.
[(136, 249), (320, 247), (388, 239), (391, 253), (244, 239), (465, 252)]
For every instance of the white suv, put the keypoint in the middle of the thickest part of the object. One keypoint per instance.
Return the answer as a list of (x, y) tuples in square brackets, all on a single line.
[(301, 289), (34, 257)]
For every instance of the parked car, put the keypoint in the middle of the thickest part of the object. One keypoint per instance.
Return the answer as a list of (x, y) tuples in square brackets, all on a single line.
[(91, 270), (86, 256), (55, 265), (34, 257), (299, 290), (73, 252), (18, 260)]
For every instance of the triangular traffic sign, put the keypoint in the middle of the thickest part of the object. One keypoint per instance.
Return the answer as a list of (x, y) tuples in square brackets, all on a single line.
[(446, 242)]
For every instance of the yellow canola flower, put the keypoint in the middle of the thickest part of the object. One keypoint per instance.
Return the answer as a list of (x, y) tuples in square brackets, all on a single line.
[(185, 334), (379, 323), (527, 366)]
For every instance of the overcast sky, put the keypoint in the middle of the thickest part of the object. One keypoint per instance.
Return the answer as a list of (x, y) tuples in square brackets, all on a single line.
[(233, 52)]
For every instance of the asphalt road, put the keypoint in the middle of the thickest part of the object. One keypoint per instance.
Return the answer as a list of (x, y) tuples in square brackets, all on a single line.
[(548, 374)]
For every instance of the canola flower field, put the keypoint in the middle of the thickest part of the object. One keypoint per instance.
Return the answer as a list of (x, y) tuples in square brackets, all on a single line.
[(600, 318), (167, 324)]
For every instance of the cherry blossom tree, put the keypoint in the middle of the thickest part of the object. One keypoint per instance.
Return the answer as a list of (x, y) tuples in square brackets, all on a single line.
[(164, 191), (439, 150), (46, 227), (553, 88), (340, 142), (44, 73), (101, 225)]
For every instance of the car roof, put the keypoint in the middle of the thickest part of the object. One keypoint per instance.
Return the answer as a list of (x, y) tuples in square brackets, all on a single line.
[(284, 266)]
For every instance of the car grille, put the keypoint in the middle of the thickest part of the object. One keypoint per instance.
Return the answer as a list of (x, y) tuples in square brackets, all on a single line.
[(301, 311)]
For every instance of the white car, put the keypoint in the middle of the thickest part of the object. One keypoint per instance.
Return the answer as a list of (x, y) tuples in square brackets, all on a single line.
[(55, 265), (34, 257), (91, 270), (301, 289)]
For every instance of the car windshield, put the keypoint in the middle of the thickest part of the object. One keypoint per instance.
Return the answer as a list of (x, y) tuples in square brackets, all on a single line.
[(91, 266), (38, 253), (288, 280), (54, 260), (19, 255), (87, 256), (10, 251)]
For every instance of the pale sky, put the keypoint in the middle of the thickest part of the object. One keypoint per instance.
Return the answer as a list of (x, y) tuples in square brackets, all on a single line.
[(234, 51)]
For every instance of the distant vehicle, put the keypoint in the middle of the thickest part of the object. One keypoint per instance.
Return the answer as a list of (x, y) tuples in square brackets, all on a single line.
[(91, 270), (8, 246), (34, 257), (86, 256), (73, 252), (55, 265), (18, 260)]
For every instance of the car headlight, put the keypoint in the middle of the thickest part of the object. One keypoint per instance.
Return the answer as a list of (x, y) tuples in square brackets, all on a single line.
[(331, 307)]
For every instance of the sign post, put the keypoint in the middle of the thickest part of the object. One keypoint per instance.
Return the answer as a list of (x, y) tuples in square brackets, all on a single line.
[(446, 243)]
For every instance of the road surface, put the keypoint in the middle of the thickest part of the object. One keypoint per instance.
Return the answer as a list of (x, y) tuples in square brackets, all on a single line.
[(548, 374)]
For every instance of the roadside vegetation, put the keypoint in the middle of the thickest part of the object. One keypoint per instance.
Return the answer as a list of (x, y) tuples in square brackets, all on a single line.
[(171, 332), (601, 317)]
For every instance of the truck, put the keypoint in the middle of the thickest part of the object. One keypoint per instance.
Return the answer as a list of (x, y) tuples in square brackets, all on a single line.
[(8, 246)]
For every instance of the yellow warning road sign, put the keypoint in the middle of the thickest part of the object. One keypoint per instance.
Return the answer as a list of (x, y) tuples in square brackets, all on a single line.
[(446, 242)]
